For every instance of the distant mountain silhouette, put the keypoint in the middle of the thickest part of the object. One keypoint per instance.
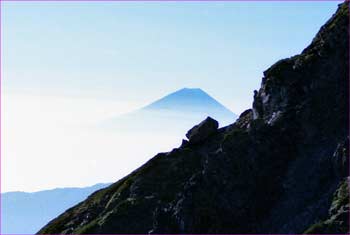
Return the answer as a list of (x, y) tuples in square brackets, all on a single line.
[(190, 100), (26, 213), (177, 111)]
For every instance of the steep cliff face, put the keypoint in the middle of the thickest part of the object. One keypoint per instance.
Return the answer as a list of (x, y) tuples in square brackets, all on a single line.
[(280, 168)]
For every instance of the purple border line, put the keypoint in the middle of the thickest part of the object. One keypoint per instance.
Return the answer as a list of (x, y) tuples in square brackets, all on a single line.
[(0, 113), (348, 110), (340, 1)]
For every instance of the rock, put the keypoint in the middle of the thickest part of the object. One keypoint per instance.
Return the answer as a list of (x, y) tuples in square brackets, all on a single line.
[(184, 143), (245, 118), (202, 131), (338, 219), (340, 159)]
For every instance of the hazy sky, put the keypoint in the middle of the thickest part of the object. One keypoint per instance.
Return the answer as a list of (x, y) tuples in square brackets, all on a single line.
[(68, 65)]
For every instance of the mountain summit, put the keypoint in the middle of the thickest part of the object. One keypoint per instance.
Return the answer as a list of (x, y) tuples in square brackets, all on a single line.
[(281, 168), (176, 112), (190, 100)]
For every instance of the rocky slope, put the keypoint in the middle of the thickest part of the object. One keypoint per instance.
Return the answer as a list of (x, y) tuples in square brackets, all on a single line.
[(282, 167)]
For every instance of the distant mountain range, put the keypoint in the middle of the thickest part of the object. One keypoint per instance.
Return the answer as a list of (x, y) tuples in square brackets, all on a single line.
[(177, 111), (26, 213)]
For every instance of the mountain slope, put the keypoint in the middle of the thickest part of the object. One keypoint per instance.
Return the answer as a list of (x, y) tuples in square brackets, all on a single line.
[(26, 213), (282, 167)]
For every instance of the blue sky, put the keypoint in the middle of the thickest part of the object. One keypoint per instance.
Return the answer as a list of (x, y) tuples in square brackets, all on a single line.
[(67, 66), (141, 51)]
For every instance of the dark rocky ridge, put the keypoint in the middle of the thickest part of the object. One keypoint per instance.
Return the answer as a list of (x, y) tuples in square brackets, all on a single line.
[(280, 168)]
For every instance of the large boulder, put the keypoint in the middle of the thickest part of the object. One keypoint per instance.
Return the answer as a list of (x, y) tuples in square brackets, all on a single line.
[(202, 131)]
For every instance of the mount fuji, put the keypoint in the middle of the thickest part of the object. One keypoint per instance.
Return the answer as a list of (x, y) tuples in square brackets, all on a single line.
[(177, 111)]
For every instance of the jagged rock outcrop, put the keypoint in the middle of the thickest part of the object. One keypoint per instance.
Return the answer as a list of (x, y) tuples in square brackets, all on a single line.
[(280, 168)]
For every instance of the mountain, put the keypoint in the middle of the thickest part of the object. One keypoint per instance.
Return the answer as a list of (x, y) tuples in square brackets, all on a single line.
[(281, 168), (191, 100), (175, 112), (26, 213)]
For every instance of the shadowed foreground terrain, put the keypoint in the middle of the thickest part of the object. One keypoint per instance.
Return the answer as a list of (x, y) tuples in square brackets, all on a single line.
[(282, 167)]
